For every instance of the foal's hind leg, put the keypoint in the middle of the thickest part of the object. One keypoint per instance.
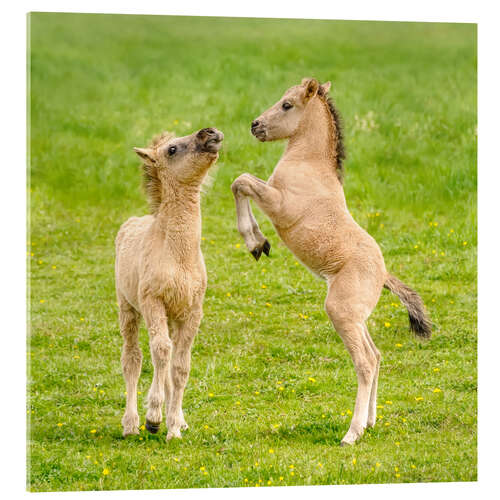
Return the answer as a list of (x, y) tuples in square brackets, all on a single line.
[(183, 336), (347, 313), (160, 345), (372, 407), (131, 364)]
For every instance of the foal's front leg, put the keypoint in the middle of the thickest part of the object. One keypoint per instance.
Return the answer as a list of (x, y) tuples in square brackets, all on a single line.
[(160, 345), (180, 366), (267, 198)]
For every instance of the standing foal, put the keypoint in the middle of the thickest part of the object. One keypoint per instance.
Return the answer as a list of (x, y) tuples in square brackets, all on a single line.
[(304, 199), (160, 274)]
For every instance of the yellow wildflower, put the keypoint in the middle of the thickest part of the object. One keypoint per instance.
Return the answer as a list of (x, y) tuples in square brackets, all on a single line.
[(354, 461), (271, 451), (437, 390), (93, 431), (105, 471), (387, 324)]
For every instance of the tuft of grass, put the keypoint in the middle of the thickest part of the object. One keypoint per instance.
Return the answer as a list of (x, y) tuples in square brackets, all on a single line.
[(263, 377)]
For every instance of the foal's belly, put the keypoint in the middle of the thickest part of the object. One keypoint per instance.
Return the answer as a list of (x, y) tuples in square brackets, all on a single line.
[(315, 248)]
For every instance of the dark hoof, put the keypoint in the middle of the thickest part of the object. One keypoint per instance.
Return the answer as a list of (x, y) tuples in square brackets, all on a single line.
[(256, 252), (153, 428), (266, 248)]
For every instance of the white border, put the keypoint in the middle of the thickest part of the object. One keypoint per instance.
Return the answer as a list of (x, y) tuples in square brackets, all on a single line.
[(13, 32)]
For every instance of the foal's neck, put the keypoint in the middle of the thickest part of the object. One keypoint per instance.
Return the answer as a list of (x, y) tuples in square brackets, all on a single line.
[(178, 220), (314, 138)]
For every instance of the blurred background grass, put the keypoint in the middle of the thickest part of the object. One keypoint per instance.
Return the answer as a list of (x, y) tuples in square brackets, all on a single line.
[(101, 84)]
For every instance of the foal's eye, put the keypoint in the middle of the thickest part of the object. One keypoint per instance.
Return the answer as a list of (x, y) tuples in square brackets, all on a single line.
[(172, 150), (286, 106)]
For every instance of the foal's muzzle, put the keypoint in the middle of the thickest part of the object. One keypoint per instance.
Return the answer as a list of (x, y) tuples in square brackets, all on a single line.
[(210, 139), (258, 129)]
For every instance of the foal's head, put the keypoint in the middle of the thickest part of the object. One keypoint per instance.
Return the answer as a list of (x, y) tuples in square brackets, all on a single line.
[(177, 161), (282, 120)]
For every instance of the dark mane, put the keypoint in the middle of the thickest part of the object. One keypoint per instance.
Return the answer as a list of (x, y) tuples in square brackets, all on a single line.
[(150, 180), (339, 135)]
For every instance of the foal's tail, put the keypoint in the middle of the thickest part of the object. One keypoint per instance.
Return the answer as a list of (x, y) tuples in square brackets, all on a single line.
[(420, 323)]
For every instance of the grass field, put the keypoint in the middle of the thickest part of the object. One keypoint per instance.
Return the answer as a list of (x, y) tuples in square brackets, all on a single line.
[(271, 386)]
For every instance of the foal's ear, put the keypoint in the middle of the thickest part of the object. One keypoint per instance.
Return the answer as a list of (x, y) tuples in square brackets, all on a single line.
[(147, 155), (324, 88), (312, 86)]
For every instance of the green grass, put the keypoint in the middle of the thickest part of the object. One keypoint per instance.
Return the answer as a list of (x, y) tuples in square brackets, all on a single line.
[(103, 84)]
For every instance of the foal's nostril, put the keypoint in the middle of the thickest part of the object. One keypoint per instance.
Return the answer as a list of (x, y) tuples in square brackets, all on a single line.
[(206, 132), (255, 123)]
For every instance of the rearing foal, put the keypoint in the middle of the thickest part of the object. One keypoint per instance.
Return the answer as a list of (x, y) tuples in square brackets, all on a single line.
[(305, 201)]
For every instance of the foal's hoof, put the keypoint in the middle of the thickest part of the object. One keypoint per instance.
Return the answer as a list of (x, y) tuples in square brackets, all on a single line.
[(130, 432), (351, 437), (151, 427), (345, 443), (174, 434), (256, 252), (266, 248)]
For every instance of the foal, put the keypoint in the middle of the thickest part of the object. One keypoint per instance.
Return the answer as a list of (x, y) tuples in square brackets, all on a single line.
[(160, 274), (305, 201)]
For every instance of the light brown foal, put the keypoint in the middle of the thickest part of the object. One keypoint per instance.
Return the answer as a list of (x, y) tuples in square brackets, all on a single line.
[(304, 199), (160, 275)]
